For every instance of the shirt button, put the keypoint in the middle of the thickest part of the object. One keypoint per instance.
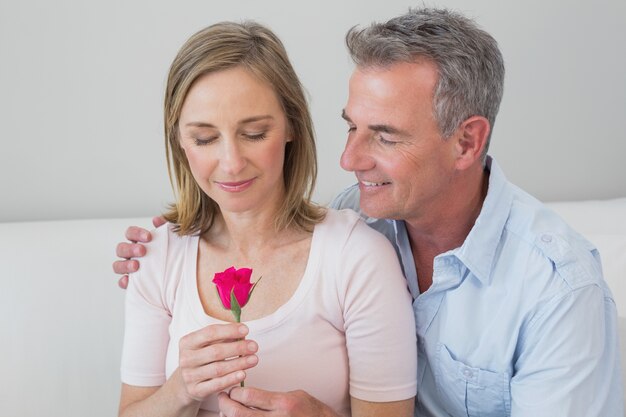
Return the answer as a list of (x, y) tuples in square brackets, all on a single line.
[(468, 373), (546, 238)]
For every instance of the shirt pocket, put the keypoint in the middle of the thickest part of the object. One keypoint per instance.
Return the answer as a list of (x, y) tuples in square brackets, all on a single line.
[(467, 391)]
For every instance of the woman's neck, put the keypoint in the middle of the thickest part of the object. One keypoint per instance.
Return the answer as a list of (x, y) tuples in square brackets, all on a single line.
[(250, 233)]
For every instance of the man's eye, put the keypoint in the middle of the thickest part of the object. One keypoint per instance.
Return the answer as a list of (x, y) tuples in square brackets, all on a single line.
[(385, 141)]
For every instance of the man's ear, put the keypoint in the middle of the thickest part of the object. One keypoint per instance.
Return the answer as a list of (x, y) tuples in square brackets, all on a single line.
[(470, 141)]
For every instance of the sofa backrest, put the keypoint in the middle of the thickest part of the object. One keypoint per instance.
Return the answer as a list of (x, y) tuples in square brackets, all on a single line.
[(61, 315)]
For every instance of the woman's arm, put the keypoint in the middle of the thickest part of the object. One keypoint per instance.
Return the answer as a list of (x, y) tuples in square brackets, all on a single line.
[(402, 408), (378, 320), (155, 401)]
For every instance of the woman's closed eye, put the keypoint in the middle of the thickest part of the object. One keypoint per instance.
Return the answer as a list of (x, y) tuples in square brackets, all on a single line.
[(255, 136), (205, 140)]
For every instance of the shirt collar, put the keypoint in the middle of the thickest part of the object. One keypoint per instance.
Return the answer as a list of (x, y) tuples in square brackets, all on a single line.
[(479, 248), (403, 247)]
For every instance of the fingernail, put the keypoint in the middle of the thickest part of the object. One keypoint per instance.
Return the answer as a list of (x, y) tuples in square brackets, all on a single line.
[(252, 359), (241, 375), (243, 329), (252, 347)]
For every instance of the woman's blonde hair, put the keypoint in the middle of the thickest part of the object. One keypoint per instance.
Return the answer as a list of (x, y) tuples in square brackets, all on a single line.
[(255, 48)]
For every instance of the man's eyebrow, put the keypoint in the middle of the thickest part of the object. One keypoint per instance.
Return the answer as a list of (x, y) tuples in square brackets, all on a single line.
[(384, 129), (241, 122), (376, 128)]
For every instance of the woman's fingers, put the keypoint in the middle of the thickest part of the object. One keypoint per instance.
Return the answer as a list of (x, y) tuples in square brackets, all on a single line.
[(213, 334), (203, 389), (217, 352), (214, 358), (218, 370)]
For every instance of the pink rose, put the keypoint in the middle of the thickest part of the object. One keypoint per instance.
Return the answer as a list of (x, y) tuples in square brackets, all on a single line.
[(236, 282), (234, 288)]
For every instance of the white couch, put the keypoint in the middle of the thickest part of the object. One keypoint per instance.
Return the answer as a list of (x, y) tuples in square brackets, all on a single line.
[(61, 312)]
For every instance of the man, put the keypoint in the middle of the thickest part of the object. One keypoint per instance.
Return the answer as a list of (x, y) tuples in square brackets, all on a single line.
[(512, 314)]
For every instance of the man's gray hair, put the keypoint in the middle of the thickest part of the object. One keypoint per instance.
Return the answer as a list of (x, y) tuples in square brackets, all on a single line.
[(471, 68)]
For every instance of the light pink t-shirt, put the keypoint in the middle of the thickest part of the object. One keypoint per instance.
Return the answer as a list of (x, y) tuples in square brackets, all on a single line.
[(347, 330)]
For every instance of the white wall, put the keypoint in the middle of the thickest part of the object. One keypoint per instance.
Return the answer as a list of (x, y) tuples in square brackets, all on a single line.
[(81, 87)]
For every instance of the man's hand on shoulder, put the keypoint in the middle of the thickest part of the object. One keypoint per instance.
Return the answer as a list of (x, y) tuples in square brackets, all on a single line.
[(134, 248)]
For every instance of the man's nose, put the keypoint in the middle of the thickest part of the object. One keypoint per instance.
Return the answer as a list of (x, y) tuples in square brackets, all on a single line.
[(357, 154)]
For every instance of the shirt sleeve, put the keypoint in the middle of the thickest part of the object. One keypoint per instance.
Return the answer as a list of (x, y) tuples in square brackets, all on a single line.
[(379, 321), (147, 318), (568, 359)]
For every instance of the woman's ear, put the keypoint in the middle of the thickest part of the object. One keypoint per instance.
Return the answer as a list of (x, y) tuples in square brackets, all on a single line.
[(471, 139)]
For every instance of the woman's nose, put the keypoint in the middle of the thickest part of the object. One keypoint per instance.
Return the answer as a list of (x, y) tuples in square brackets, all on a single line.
[(233, 159)]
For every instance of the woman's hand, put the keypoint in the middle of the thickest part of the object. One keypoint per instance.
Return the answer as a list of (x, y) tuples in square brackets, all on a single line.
[(252, 402), (214, 358)]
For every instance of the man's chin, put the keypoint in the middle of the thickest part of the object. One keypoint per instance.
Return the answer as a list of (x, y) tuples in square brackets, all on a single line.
[(374, 209)]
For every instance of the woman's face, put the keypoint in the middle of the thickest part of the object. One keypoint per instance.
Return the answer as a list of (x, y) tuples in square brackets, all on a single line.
[(234, 131)]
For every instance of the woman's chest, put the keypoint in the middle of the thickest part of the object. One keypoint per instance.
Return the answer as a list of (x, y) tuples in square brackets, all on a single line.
[(277, 275)]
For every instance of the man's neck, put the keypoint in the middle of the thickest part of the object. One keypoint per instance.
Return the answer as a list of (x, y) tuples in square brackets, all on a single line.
[(447, 227)]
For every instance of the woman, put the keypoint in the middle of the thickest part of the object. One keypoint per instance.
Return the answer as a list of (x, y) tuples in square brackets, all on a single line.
[(328, 317)]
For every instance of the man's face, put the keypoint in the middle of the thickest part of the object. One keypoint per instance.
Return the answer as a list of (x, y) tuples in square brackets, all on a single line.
[(403, 165)]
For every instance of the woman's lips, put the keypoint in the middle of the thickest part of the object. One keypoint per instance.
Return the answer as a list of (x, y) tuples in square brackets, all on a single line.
[(236, 186)]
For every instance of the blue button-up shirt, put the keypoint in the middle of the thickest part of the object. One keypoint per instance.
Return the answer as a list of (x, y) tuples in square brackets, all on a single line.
[(518, 320)]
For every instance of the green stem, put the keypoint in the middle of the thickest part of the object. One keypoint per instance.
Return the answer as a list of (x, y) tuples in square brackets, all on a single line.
[(236, 310)]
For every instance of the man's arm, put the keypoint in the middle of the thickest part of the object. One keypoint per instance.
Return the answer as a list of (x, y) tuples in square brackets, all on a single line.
[(135, 249), (568, 365)]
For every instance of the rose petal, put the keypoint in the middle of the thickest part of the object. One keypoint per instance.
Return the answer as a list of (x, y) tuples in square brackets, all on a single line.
[(236, 281), (243, 275), (224, 281), (242, 293)]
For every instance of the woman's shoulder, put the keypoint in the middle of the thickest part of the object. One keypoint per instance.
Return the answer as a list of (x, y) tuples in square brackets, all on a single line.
[(165, 255), (347, 226), (357, 255), (165, 239), (340, 217)]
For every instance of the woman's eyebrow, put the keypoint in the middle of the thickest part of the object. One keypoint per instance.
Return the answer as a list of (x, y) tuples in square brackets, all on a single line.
[(241, 122), (256, 119)]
